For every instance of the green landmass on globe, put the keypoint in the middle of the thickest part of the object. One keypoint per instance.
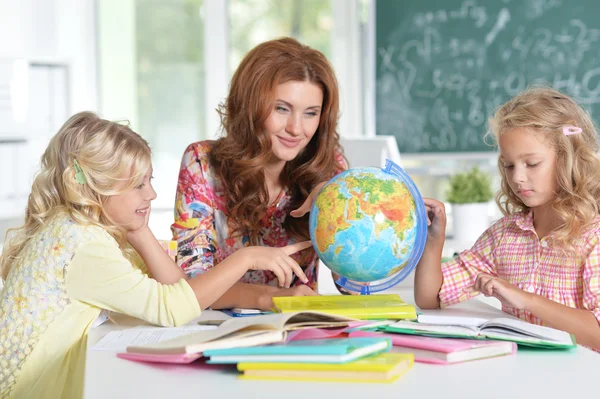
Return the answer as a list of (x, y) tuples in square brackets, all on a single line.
[(363, 224)]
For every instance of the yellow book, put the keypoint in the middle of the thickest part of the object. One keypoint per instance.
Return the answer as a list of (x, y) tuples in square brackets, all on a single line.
[(364, 307), (385, 367)]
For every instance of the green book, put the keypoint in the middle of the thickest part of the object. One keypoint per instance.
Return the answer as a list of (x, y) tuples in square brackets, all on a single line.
[(502, 328)]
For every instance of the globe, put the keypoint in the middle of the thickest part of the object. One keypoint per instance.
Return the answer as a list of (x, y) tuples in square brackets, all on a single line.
[(369, 226)]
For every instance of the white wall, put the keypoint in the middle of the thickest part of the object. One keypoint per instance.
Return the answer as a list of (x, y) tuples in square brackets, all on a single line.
[(117, 75), (54, 31)]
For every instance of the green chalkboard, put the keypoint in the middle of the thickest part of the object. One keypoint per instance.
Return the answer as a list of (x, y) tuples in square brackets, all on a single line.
[(444, 66)]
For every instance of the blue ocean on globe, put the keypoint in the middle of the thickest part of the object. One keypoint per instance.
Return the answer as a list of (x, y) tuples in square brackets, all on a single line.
[(368, 225)]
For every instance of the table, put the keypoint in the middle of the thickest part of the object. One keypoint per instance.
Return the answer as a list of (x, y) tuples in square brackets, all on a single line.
[(529, 374)]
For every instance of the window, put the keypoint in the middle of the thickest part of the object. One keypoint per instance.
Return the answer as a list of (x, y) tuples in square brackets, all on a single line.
[(255, 21), (159, 70), (152, 74)]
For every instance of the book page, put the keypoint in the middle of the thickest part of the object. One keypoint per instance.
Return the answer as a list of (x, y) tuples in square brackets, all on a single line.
[(517, 327), (118, 341), (240, 327), (470, 313), (467, 331), (285, 321)]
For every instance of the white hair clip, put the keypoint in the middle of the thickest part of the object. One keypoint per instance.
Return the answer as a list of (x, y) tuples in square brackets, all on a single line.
[(570, 130)]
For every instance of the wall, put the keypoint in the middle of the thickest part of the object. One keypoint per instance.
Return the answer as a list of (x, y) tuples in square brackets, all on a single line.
[(55, 33)]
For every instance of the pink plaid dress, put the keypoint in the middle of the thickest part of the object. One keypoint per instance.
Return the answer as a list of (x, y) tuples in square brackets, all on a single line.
[(511, 250)]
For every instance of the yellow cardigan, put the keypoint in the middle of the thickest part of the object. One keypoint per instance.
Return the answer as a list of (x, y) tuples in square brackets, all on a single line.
[(64, 277)]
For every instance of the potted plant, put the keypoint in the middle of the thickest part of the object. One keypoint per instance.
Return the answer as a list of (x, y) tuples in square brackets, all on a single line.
[(469, 194)]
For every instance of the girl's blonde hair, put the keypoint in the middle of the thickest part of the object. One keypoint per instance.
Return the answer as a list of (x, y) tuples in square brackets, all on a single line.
[(545, 112), (112, 158)]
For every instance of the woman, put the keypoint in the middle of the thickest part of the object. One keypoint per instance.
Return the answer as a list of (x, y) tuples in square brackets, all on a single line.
[(279, 146)]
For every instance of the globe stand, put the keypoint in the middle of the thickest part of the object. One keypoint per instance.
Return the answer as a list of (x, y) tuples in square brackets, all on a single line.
[(366, 288)]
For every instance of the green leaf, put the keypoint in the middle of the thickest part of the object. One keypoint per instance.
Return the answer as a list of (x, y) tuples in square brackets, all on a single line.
[(470, 187)]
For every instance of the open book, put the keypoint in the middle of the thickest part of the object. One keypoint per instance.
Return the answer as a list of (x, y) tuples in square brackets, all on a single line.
[(458, 324), (240, 332)]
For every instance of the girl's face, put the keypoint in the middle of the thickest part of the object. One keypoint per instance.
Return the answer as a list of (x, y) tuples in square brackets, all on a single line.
[(131, 209), (530, 166), (294, 118)]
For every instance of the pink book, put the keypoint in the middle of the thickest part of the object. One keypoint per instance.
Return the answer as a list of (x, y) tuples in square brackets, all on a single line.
[(180, 358), (443, 350)]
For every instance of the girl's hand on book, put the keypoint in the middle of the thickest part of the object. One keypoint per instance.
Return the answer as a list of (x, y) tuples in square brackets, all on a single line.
[(510, 295), (278, 261), (436, 218)]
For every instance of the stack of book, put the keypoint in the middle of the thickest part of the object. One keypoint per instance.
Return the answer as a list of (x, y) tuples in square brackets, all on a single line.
[(300, 340), (372, 338)]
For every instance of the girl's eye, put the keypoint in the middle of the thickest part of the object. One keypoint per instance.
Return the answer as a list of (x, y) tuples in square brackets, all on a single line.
[(311, 113), (281, 109), (140, 186), (509, 166), (533, 165)]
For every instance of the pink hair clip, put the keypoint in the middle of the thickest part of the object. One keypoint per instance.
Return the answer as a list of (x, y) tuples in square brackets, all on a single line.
[(570, 130)]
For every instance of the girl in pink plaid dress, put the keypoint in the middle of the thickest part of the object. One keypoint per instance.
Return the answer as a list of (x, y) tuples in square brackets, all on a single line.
[(542, 259)]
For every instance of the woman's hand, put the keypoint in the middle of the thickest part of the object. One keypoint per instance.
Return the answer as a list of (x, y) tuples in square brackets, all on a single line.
[(436, 218), (510, 295), (278, 261), (305, 207)]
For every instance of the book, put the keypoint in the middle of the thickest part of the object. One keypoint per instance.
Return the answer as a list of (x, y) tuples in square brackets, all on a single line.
[(243, 312), (385, 367), (331, 350), (503, 328), (238, 332), (117, 341), (443, 350), (364, 307)]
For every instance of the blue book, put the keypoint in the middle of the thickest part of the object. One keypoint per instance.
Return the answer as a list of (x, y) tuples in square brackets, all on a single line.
[(331, 350), (243, 312)]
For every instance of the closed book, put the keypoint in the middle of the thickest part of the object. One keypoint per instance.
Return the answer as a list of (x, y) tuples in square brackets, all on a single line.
[(385, 367), (443, 350), (331, 350), (364, 307)]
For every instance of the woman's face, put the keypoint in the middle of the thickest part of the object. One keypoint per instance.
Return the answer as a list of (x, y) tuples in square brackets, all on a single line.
[(294, 118)]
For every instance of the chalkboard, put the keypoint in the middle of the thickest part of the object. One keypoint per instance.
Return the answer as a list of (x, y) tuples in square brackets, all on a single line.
[(444, 66)]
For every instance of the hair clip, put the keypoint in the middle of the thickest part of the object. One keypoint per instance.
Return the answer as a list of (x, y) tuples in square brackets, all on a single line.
[(570, 130), (79, 176)]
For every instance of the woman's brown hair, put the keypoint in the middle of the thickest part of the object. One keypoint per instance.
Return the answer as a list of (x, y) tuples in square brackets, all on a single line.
[(239, 157)]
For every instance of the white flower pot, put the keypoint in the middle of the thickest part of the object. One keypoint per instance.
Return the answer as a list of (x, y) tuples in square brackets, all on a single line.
[(470, 221)]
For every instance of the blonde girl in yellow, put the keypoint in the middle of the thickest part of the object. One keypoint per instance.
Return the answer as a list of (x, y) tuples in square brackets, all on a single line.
[(86, 246)]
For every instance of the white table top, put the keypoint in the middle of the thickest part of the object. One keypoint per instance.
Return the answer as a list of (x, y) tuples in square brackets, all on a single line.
[(528, 374)]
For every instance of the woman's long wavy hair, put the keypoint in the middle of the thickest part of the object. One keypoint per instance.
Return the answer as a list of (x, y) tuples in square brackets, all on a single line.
[(106, 152), (545, 111), (239, 157)]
